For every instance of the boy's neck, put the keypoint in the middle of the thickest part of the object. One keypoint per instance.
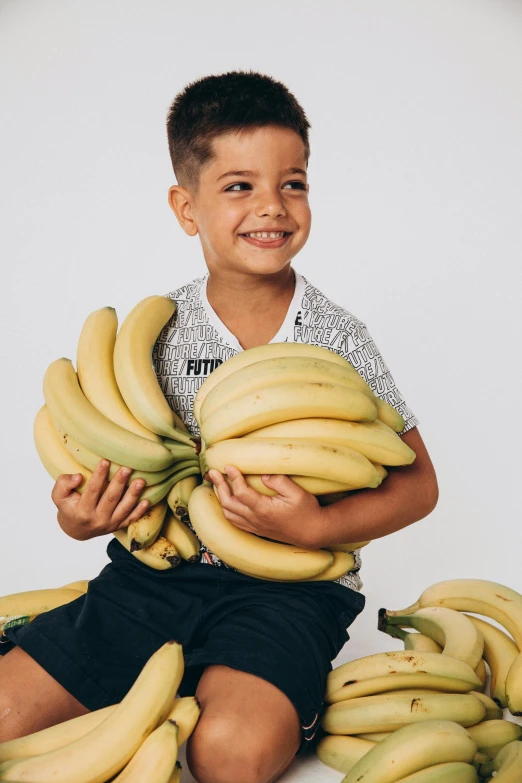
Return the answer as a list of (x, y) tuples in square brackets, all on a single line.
[(253, 308)]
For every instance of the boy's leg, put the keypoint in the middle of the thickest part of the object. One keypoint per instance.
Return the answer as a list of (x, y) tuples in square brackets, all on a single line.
[(30, 699), (249, 731)]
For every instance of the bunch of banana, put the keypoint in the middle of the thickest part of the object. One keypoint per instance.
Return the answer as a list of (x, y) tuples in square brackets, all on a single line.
[(502, 652), (302, 411), (130, 742), (112, 407)]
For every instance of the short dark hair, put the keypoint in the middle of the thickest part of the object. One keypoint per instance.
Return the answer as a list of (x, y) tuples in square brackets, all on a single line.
[(218, 104)]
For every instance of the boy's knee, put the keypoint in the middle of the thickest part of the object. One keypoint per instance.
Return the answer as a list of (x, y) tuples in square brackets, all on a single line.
[(220, 751)]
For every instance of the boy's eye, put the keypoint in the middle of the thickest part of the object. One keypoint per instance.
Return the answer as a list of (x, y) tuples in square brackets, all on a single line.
[(231, 188)]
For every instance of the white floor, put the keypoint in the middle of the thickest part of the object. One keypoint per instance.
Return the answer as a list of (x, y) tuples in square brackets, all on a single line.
[(364, 640)]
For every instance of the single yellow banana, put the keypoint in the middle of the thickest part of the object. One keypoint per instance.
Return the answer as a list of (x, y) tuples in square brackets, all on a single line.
[(507, 764), (451, 772), (392, 711), (389, 415), (378, 443), (53, 456), (54, 737), (343, 562), (73, 413), (500, 652), (134, 372), (272, 372), (411, 749), (413, 640), (286, 401), (398, 669), (178, 496), (185, 713), (182, 537), (95, 367), (342, 753), (491, 735), (514, 686), (261, 352), (311, 484), (33, 602), (493, 711), (155, 760), (161, 554), (103, 752), (88, 459), (449, 628), (145, 530), (247, 552), (292, 457)]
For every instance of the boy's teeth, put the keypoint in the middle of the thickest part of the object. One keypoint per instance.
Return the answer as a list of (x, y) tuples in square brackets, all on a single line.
[(266, 234)]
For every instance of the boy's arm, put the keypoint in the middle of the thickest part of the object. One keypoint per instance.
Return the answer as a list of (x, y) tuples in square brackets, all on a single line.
[(408, 494), (294, 516)]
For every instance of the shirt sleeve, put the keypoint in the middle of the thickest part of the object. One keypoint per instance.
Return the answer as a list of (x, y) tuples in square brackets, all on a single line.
[(360, 350)]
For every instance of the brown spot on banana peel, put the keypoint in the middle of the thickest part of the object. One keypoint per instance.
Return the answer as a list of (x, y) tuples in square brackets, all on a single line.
[(350, 682), (503, 598), (174, 560), (135, 545), (414, 707)]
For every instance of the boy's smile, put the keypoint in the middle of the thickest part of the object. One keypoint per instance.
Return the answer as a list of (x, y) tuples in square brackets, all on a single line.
[(251, 210)]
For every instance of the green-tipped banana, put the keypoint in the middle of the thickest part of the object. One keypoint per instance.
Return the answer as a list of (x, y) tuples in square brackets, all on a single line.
[(452, 630), (413, 640), (286, 401), (94, 362), (73, 413), (411, 749), (134, 372), (389, 415), (157, 492), (399, 669), (53, 456), (392, 711), (375, 441), (342, 753)]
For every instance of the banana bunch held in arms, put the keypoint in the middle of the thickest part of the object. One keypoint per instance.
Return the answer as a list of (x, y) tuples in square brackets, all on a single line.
[(112, 407), (134, 741), (298, 410)]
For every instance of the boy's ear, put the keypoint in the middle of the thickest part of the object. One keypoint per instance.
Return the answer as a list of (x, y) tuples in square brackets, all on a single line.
[(180, 202)]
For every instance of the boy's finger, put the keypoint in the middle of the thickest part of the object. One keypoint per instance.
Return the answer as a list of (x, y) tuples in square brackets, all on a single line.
[(114, 493), (128, 504), (240, 488), (136, 514), (94, 487), (283, 485), (64, 486)]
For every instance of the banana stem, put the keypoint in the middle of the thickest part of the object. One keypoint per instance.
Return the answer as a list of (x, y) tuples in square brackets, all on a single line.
[(190, 470), (179, 449), (181, 437), (396, 632), (187, 463)]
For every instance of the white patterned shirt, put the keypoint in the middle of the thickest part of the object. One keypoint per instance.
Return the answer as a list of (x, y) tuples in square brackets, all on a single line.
[(195, 341)]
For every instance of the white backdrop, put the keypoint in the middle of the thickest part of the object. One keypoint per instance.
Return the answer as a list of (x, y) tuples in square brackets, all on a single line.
[(416, 194)]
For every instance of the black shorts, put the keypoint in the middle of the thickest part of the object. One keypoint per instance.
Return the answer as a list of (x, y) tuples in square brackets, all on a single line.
[(286, 633)]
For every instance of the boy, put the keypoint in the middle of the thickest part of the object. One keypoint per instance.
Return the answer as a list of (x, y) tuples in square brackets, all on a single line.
[(257, 652)]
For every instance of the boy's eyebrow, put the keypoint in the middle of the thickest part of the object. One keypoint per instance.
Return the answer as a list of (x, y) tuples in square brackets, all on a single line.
[(291, 170)]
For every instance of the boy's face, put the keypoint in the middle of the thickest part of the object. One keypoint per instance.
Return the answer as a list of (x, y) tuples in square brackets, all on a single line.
[(227, 206)]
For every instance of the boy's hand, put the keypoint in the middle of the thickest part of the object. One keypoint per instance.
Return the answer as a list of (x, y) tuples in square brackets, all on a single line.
[(291, 516), (103, 507)]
